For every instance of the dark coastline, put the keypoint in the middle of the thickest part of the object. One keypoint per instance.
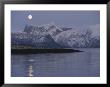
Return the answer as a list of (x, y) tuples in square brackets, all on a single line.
[(35, 51)]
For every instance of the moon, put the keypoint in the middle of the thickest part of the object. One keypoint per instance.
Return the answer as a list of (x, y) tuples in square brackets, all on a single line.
[(29, 17)]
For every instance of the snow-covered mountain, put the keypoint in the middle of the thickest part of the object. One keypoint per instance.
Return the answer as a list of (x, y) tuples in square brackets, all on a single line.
[(39, 40), (52, 36), (51, 29), (74, 38)]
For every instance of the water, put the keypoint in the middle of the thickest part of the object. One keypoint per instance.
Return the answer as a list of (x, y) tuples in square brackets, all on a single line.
[(79, 64)]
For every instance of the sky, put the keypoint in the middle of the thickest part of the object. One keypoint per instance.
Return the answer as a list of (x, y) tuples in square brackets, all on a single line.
[(61, 18)]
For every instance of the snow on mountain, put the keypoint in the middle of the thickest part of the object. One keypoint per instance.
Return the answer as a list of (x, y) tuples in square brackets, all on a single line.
[(44, 41), (70, 38), (30, 29), (39, 40), (52, 29), (52, 36), (76, 38)]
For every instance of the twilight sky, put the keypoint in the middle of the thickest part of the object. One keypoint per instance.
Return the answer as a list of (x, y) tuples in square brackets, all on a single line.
[(61, 18)]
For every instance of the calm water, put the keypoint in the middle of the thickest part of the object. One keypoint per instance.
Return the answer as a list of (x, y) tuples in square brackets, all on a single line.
[(80, 64)]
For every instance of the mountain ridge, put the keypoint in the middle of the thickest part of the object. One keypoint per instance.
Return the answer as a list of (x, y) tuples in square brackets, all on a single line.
[(52, 36)]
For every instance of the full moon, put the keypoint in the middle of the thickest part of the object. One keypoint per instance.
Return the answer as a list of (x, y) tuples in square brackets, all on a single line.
[(29, 17)]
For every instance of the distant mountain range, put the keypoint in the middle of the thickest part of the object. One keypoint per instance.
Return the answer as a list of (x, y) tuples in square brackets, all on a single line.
[(52, 36)]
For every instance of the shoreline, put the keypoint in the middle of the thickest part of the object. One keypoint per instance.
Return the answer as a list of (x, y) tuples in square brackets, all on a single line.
[(47, 50)]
